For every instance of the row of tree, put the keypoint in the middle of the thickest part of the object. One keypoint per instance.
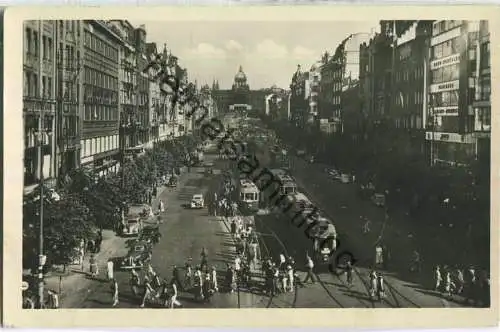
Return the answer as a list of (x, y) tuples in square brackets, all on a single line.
[(86, 203), (397, 166)]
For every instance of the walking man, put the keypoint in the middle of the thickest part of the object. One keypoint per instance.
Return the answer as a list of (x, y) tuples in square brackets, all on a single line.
[(309, 267), (348, 272), (437, 278), (114, 289)]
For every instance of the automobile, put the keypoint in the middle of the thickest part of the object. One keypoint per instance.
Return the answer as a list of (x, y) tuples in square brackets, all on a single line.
[(133, 221), (172, 182), (345, 178), (150, 232), (334, 174), (197, 202), (136, 257), (378, 199), (301, 153)]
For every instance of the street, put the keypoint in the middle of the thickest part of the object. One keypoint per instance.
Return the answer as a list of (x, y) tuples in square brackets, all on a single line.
[(184, 232), (340, 203)]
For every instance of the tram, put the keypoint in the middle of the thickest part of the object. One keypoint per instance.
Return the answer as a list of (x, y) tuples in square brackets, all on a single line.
[(249, 196)]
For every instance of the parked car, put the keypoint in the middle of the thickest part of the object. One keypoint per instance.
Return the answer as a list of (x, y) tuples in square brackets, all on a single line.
[(378, 199), (197, 202), (345, 178), (136, 257), (150, 232), (172, 182)]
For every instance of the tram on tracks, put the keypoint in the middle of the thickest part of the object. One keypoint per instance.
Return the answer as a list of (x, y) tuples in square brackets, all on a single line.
[(249, 196)]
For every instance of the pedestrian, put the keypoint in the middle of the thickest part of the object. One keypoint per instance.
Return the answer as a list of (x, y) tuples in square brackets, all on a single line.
[(276, 276), (366, 225), (147, 291), (134, 282), (447, 284), (415, 266), (282, 264), (188, 278), (373, 284), (176, 277), (380, 287), (379, 257), (198, 283), (290, 277), (349, 272), (173, 297), (110, 269), (206, 288), (161, 206), (204, 258), (155, 190), (114, 289), (237, 264), (150, 197), (53, 299), (233, 228), (459, 281), (94, 269), (438, 279), (309, 267), (213, 277)]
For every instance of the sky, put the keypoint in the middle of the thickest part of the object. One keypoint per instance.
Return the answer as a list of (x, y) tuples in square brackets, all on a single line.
[(269, 52)]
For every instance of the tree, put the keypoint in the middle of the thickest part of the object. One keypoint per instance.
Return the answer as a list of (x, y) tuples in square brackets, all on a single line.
[(66, 223)]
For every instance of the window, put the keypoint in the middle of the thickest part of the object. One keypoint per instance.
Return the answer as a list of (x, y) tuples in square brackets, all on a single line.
[(35, 43), (49, 87), (27, 38), (485, 88), (445, 74), (50, 55), (26, 85), (485, 55), (36, 93)]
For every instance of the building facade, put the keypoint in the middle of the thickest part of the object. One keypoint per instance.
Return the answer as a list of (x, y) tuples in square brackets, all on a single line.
[(299, 102), (482, 98), (452, 91), (101, 104), (39, 101), (409, 98)]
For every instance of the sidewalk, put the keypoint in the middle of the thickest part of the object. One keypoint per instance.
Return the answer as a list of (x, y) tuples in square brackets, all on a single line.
[(76, 282), (247, 298)]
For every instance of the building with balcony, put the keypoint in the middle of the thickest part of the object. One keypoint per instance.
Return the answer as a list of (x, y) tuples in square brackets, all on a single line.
[(101, 118), (408, 109), (482, 98), (69, 86), (127, 81), (39, 101), (314, 89), (453, 68)]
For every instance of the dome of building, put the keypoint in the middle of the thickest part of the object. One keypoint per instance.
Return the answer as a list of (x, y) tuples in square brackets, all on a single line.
[(240, 76)]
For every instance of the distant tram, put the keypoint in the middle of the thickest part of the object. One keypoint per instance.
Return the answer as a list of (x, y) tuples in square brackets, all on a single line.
[(249, 195)]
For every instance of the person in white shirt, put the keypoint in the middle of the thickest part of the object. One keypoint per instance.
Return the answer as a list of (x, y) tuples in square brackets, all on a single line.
[(282, 261), (213, 277), (237, 264), (290, 273), (310, 267), (379, 258), (110, 270), (173, 298)]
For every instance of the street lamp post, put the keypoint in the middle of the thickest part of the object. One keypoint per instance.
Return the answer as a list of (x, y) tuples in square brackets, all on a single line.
[(41, 256)]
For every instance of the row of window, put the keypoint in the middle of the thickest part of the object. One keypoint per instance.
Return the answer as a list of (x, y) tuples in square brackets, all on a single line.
[(411, 122), (100, 79), (100, 46), (443, 26), (485, 55), (445, 74), (407, 75), (449, 47), (406, 99), (96, 145), (31, 85), (96, 95), (484, 88), (444, 99), (100, 113)]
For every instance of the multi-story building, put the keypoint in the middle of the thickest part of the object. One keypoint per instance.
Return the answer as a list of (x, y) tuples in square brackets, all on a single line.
[(128, 82), (314, 86), (452, 82), (375, 77), (143, 115), (409, 102), (100, 113), (39, 101), (482, 102), (156, 100), (69, 80), (299, 103)]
